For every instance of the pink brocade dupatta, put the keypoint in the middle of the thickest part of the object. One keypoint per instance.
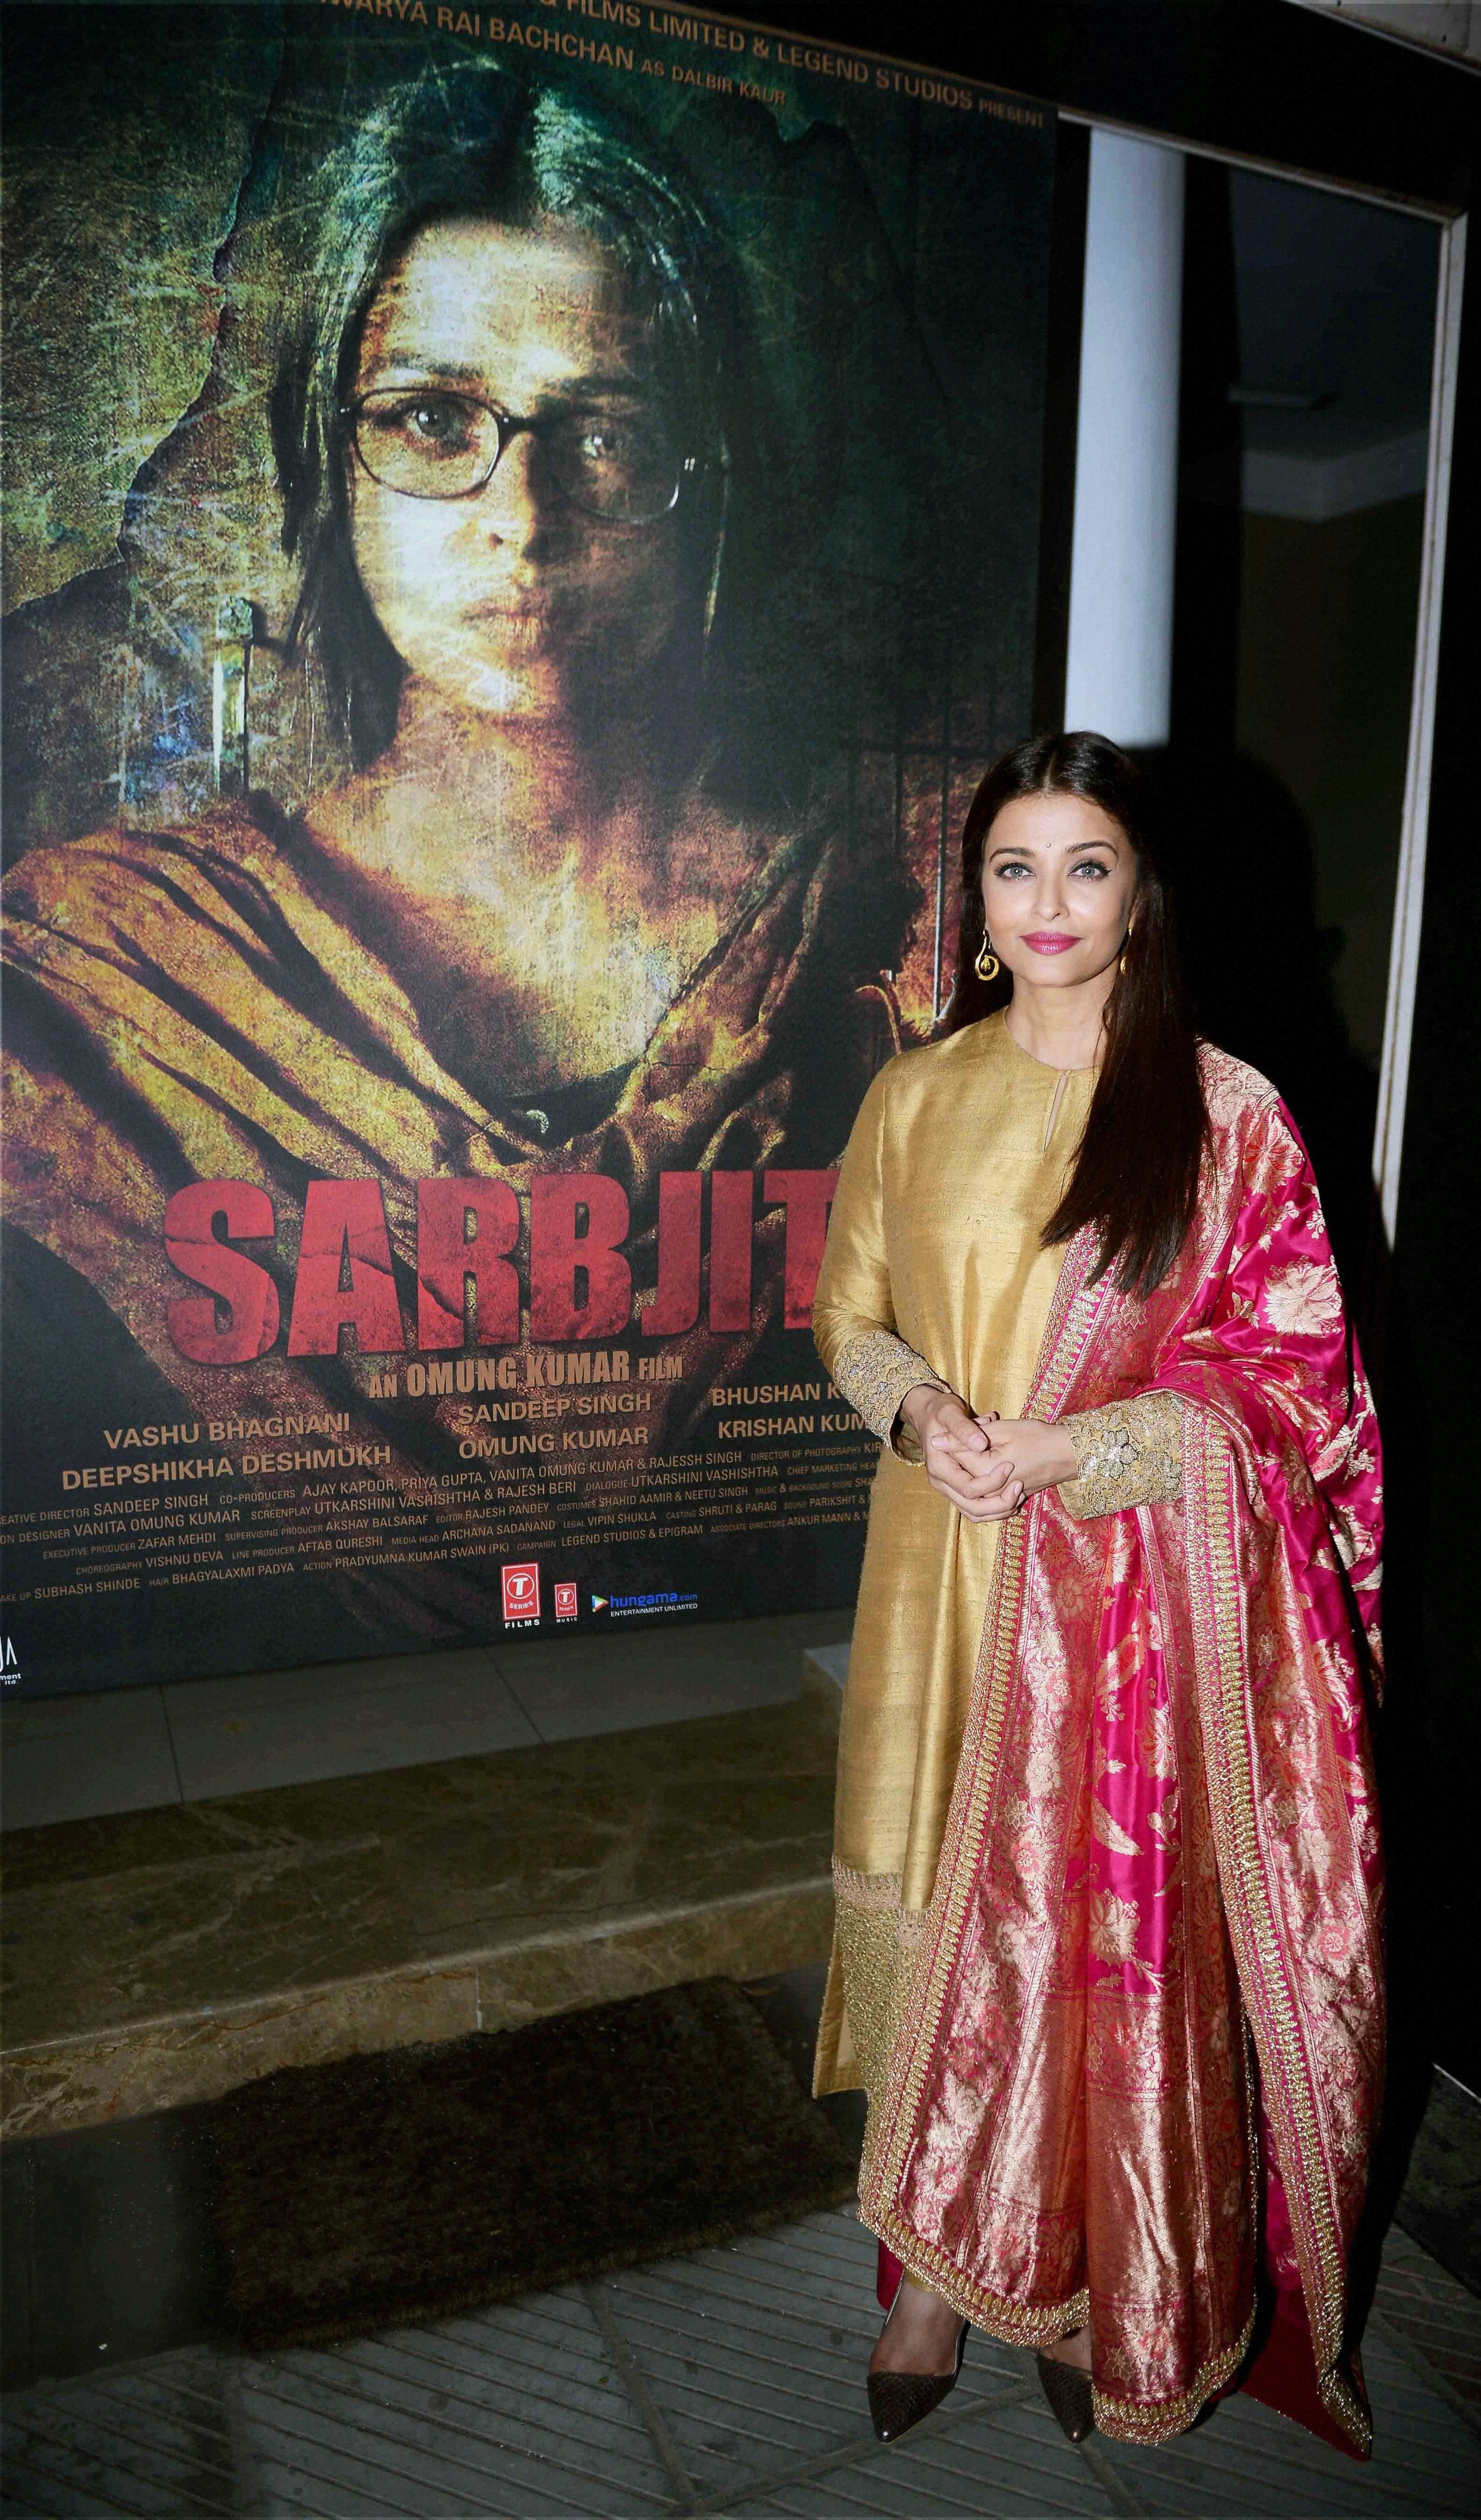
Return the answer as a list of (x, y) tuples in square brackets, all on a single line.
[(1163, 1850)]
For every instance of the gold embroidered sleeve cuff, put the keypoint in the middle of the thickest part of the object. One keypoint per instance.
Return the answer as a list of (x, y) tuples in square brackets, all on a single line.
[(874, 1371), (1128, 1454)]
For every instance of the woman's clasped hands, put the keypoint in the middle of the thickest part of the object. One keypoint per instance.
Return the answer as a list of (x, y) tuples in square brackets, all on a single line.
[(984, 1466)]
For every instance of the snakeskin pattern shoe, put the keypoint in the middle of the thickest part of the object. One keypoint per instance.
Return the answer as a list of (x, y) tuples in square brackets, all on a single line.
[(1068, 2392), (898, 2400)]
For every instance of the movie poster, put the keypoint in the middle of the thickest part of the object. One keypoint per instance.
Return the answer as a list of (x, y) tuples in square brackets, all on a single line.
[(521, 541)]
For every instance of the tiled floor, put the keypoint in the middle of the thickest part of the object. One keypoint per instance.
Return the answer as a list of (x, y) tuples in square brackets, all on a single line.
[(730, 2382), (188, 1741)]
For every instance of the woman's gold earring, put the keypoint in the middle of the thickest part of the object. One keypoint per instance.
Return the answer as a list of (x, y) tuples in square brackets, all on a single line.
[(987, 965)]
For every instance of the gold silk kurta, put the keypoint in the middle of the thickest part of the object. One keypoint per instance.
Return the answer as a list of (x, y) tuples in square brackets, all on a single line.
[(958, 1159)]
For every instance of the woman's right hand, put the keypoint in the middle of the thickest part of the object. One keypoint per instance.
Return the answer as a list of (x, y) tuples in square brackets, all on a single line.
[(959, 1457)]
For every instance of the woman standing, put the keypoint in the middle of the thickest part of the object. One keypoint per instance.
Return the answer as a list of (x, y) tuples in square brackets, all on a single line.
[(1108, 1957)]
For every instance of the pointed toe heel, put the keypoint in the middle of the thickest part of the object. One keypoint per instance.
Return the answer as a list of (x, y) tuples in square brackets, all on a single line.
[(899, 2400), (1068, 2392)]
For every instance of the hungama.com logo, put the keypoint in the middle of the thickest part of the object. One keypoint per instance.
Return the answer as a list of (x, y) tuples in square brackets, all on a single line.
[(632, 1605)]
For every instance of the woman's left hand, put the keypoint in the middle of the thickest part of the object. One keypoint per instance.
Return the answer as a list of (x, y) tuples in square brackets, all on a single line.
[(1041, 1455)]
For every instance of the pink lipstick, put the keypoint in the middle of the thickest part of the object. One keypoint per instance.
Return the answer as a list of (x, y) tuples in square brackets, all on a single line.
[(1049, 942)]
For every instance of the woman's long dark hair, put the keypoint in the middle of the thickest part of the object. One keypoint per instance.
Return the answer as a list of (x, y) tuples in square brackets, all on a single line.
[(1136, 1176)]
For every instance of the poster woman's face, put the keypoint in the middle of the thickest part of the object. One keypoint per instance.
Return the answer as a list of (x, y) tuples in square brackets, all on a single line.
[(510, 600)]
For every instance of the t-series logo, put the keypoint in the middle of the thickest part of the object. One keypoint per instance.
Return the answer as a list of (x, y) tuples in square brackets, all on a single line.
[(566, 1605), (522, 1596)]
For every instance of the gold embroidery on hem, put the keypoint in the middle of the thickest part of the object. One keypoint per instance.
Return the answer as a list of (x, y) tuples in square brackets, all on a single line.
[(1014, 2323), (1345, 2408), (1130, 1453), (1217, 1633), (877, 1940), (866, 1889), (1008, 2321), (1162, 2419), (875, 1372)]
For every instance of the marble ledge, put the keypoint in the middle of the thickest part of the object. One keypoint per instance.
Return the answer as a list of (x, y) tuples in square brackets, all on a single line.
[(53, 2087), (202, 1909)]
